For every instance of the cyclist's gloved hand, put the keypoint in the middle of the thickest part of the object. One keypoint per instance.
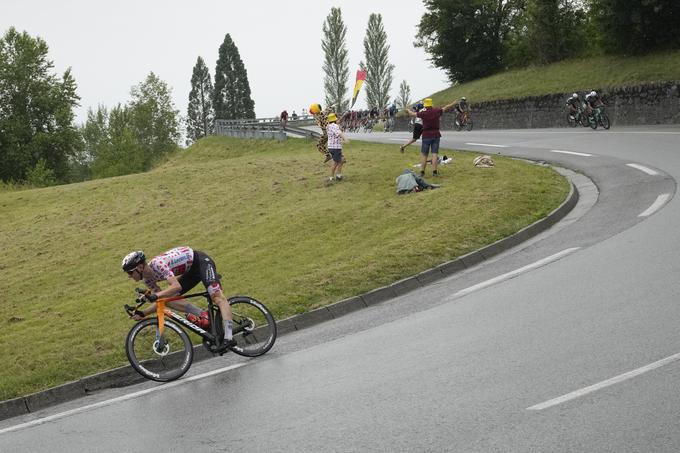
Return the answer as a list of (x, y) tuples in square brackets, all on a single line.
[(151, 297), (138, 315)]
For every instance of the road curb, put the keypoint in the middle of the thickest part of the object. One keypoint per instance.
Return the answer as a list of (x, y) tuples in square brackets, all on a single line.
[(123, 376)]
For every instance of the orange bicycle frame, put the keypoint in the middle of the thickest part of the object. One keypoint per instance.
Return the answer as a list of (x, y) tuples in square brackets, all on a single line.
[(161, 311)]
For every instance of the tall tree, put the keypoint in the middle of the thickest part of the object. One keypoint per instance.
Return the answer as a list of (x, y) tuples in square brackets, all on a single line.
[(465, 37), (555, 29), (114, 142), (155, 120), (377, 66), (336, 61), (95, 133), (37, 130), (637, 27), (404, 98), (200, 113), (232, 91)]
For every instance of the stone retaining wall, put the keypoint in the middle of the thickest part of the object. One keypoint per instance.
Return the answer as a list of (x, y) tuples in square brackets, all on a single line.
[(653, 103)]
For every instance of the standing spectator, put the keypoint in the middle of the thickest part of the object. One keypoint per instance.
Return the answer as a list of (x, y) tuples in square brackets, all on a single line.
[(335, 140), (322, 121), (294, 116), (284, 118), (417, 126), (431, 135)]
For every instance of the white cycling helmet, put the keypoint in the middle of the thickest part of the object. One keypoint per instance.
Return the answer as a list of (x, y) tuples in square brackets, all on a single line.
[(575, 95), (593, 93)]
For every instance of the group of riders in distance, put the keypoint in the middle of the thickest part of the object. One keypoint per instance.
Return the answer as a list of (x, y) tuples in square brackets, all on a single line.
[(587, 112), (365, 120)]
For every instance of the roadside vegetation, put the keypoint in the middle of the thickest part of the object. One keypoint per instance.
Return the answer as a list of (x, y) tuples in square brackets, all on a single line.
[(567, 76), (265, 213)]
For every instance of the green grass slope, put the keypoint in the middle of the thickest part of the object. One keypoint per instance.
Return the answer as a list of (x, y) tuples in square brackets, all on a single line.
[(263, 211), (567, 76)]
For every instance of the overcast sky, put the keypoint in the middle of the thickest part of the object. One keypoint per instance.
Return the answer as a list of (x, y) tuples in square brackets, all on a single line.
[(114, 45)]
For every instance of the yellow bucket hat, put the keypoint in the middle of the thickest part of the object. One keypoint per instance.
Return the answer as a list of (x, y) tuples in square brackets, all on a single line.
[(332, 118), (427, 102)]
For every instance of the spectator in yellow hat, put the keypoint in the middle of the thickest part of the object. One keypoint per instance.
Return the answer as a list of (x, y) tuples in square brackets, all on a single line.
[(335, 140), (431, 135)]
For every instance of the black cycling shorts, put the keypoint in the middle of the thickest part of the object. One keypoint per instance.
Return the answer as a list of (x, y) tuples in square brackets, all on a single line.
[(417, 131), (202, 270)]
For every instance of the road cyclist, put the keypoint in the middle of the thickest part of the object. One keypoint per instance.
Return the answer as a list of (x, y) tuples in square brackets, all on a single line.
[(181, 268)]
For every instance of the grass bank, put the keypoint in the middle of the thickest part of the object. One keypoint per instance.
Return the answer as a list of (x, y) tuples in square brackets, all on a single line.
[(263, 211), (567, 76)]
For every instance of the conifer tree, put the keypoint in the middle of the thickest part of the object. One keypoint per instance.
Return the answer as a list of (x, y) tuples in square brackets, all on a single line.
[(336, 62), (377, 66), (232, 91), (200, 113), (404, 98)]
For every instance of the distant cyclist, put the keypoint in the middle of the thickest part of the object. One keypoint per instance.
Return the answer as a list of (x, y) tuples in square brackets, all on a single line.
[(593, 101), (392, 111), (574, 105), (181, 268), (460, 107)]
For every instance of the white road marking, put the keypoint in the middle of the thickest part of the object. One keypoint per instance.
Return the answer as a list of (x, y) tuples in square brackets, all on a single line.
[(516, 272), (487, 144), (129, 396), (570, 152), (649, 171), (603, 384), (658, 203)]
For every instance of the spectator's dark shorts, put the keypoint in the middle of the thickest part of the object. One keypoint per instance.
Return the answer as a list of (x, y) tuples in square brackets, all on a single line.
[(417, 131), (336, 154), (202, 270), (430, 144)]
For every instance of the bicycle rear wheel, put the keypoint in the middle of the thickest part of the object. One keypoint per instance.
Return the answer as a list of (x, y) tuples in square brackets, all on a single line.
[(468, 124), (158, 360), (254, 326)]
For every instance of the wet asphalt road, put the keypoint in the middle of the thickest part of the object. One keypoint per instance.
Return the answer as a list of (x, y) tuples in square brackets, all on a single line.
[(587, 311)]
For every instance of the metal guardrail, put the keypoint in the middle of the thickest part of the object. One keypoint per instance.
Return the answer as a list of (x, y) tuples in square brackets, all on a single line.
[(265, 127)]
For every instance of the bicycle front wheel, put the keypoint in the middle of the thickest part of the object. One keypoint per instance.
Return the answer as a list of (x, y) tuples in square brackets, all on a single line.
[(604, 120), (254, 326), (159, 359)]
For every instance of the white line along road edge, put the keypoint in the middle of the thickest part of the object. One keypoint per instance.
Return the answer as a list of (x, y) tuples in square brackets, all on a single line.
[(658, 203), (129, 396), (574, 153), (487, 144), (516, 272), (603, 384), (649, 171)]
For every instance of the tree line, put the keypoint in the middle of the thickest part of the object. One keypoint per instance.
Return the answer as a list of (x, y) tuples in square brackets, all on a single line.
[(470, 39), (41, 145)]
